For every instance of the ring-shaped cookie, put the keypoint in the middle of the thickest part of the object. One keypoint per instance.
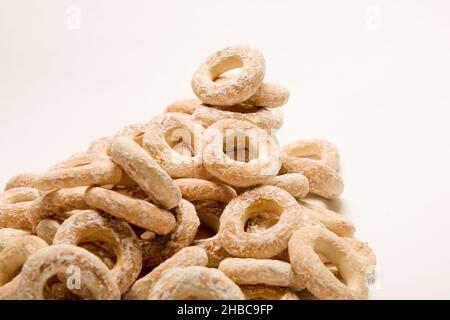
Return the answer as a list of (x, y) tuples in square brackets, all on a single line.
[(169, 130), (52, 260), (304, 247), (267, 243), (241, 140), (317, 150), (195, 282), (12, 258), (14, 206), (237, 88), (90, 226)]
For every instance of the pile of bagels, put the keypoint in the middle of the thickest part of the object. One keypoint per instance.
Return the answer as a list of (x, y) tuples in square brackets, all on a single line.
[(201, 202)]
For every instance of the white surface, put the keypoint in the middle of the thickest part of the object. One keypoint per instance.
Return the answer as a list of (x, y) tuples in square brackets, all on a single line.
[(371, 76)]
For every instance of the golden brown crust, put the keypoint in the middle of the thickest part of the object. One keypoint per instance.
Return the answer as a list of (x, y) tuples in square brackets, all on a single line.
[(238, 88), (304, 247)]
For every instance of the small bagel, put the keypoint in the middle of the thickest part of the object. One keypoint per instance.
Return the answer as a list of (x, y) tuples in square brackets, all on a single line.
[(268, 293), (261, 272), (135, 211), (195, 282), (304, 247), (267, 243), (14, 206), (49, 261), (141, 167), (261, 117), (264, 161), (12, 258), (171, 129), (93, 227), (161, 248), (324, 152), (187, 106), (186, 257), (236, 89)]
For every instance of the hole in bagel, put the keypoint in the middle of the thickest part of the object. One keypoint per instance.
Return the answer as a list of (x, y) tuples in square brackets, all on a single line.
[(181, 140), (239, 147), (335, 261), (54, 289), (262, 215), (102, 249), (224, 66)]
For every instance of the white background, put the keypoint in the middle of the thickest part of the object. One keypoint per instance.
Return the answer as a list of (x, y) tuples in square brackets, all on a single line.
[(371, 76)]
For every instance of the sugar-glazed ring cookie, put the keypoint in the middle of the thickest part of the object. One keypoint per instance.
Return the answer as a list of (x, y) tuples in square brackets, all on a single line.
[(12, 258), (162, 247), (261, 272), (85, 171), (138, 212), (91, 226), (367, 256), (333, 221), (195, 282), (186, 257), (261, 117), (268, 293), (147, 173), (323, 180), (21, 180), (14, 206), (294, 183), (267, 243), (187, 106), (314, 150), (49, 261), (169, 130), (304, 247), (241, 139), (236, 89)]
